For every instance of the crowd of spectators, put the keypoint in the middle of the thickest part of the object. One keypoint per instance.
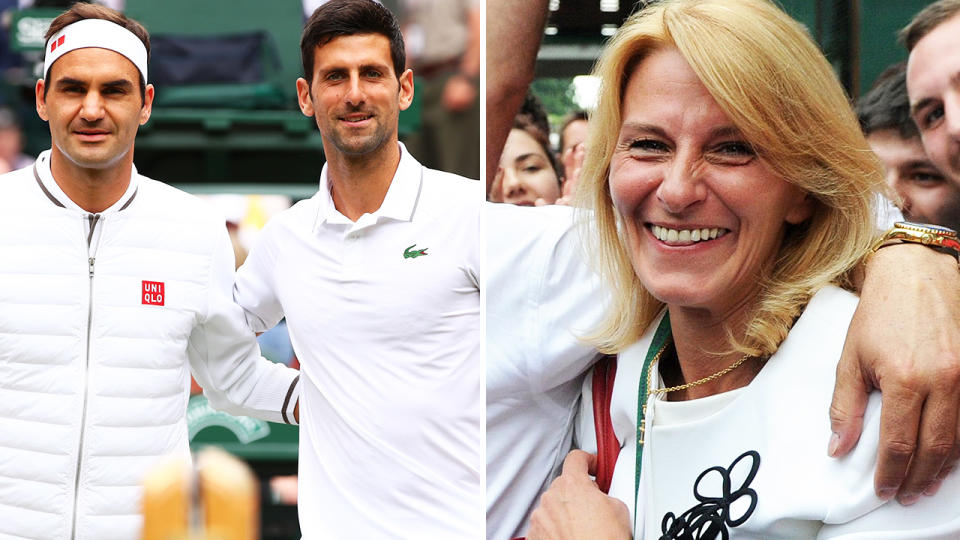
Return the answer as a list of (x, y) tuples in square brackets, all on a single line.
[(533, 172)]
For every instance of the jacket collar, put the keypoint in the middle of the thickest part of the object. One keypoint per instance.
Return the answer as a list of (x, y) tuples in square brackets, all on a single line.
[(399, 204), (50, 188)]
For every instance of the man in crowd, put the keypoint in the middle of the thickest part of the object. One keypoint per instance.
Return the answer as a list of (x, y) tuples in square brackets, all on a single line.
[(444, 42), (11, 142), (884, 113), (378, 278), (113, 289), (933, 69)]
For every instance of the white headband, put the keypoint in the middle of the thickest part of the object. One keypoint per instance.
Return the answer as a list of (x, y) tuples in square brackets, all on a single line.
[(97, 33)]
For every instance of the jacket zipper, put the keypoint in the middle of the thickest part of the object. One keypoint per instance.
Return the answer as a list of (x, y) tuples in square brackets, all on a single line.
[(91, 260)]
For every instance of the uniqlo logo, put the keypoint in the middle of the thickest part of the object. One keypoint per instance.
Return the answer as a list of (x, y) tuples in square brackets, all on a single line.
[(152, 293), (56, 44)]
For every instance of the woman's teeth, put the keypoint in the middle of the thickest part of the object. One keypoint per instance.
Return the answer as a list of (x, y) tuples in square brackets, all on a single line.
[(686, 236)]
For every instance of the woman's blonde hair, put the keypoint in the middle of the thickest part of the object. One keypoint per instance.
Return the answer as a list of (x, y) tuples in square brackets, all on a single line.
[(775, 85)]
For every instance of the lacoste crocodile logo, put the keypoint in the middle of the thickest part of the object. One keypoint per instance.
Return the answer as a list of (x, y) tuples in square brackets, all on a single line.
[(408, 254)]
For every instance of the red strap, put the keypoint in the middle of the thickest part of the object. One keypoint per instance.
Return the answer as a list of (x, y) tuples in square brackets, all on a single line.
[(608, 446)]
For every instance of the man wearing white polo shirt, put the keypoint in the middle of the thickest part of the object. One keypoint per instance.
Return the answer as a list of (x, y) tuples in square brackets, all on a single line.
[(378, 278)]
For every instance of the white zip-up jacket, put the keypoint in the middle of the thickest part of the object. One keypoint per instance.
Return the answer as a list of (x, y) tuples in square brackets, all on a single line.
[(102, 320)]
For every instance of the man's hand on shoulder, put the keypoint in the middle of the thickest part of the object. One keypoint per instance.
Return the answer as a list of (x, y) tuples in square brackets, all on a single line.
[(904, 340), (575, 509)]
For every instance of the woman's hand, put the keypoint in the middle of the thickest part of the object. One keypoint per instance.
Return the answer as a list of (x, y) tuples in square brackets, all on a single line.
[(575, 509), (572, 161), (904, 340)]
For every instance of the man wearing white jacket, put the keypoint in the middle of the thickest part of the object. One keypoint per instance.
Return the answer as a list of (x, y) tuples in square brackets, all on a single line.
[(113, 289)]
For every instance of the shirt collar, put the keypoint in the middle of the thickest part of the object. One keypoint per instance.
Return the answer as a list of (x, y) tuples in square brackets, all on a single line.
[(51, 189), (399, 203)]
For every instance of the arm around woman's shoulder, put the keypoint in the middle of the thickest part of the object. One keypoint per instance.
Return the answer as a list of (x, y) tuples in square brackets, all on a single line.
[(904, 342), (858, 513)]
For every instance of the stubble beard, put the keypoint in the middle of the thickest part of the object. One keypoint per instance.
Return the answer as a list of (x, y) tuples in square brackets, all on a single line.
[(360, 144), (955, 164), (949, 214)]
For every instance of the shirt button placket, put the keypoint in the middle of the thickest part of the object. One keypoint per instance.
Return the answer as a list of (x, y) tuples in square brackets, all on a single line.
[(353, 249)]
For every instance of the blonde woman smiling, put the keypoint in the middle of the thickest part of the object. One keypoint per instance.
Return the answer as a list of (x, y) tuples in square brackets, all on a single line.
[(732, 194)]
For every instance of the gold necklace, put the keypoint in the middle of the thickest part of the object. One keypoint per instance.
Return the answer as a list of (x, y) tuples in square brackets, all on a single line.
[(698, 382)]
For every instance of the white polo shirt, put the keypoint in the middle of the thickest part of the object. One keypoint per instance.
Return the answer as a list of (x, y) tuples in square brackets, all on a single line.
[(543, 297), (384, 315)]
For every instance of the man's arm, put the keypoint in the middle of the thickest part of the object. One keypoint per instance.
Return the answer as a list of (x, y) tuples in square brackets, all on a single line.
[(514, 30), (460, 91), (904, 340), (225, 357)]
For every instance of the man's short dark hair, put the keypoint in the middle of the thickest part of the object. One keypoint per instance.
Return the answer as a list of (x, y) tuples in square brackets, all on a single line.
[(926, 20), (81, 11), (346, 18), (887, 106)]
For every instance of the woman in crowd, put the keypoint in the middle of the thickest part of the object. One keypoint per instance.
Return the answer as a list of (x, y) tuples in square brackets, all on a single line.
[(732, 194), (528, 172)]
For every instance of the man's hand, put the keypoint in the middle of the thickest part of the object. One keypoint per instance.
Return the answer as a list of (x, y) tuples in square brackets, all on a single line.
[(459, 93), (575, 509), (904, 340)]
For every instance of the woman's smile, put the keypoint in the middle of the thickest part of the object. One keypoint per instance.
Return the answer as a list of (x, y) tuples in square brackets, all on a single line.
[(686, 235)]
